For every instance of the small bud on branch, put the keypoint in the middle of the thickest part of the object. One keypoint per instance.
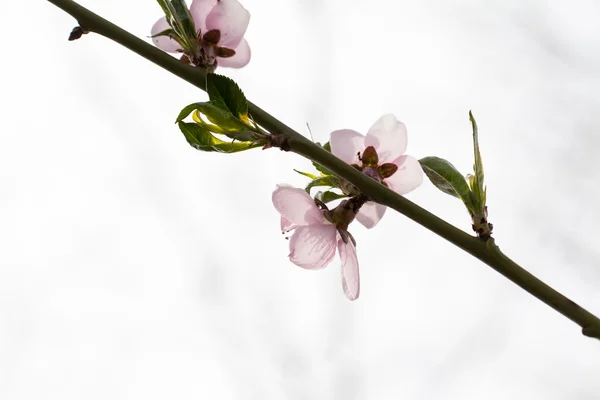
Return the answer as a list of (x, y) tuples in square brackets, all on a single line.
[(77, 33)]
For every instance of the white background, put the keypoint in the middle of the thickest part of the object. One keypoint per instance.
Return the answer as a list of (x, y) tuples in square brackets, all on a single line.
[(134, 267)]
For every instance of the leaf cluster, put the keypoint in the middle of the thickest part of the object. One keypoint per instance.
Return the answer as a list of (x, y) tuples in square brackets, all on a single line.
[(470, 189), (226, 113)]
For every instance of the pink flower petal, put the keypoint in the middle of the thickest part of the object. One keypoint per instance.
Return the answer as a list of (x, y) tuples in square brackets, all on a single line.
[(350, 274), (346, 144), (163, 42), (240, 59), (200, 10), (370, 214), (286, 225), (296, 206), (388, 136), (408, 176), (231, 18), (313, 247)]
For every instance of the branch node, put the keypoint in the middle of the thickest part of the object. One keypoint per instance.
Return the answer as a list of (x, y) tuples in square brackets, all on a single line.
[(277, 140), (481, 225)]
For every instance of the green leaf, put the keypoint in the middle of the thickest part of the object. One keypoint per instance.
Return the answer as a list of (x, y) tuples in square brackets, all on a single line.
[(477, 182), (321, 169), (203, 140), (329, 180), (170, 33), (187, 110), (228, 124), (473, 200), (179, 18), (227, 95), (221, 121), (165, 8), (446, 178), (167, 32), (311, 176), (184, 18), (328, 196)]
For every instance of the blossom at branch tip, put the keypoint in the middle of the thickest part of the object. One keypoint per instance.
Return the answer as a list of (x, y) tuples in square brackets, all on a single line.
[(315, 239), (229, 17), (380, 155)]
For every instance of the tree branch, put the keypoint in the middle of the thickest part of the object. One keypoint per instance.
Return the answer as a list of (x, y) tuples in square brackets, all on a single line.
[(486, 251)]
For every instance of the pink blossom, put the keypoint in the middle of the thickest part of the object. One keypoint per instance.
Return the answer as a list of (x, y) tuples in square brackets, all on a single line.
[(227, 16), (399, 172), (315, 239)]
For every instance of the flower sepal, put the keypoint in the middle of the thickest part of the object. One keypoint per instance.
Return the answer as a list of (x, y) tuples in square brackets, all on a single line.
[(369, 157), (345, 212)]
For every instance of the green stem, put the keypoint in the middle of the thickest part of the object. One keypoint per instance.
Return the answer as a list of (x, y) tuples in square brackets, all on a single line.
[(487, 252)]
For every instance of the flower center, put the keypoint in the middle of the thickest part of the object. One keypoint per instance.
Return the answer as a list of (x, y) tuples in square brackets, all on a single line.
[(371, 167), (373, 173), (206, 50)]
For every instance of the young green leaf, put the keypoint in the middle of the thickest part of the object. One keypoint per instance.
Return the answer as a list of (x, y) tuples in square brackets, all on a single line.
[(330, 180), (227, 123), (328, 196), (221, 121), (167, 32), (203, 140), (179, 18), (183, 15), (165, 8), (479, 214), (477, 185), (311, 176), (227, 95), (170, 33), (446, 178), (187, 110)]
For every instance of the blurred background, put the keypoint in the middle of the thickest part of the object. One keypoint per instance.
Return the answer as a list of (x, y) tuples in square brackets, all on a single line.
[(134, 267)]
